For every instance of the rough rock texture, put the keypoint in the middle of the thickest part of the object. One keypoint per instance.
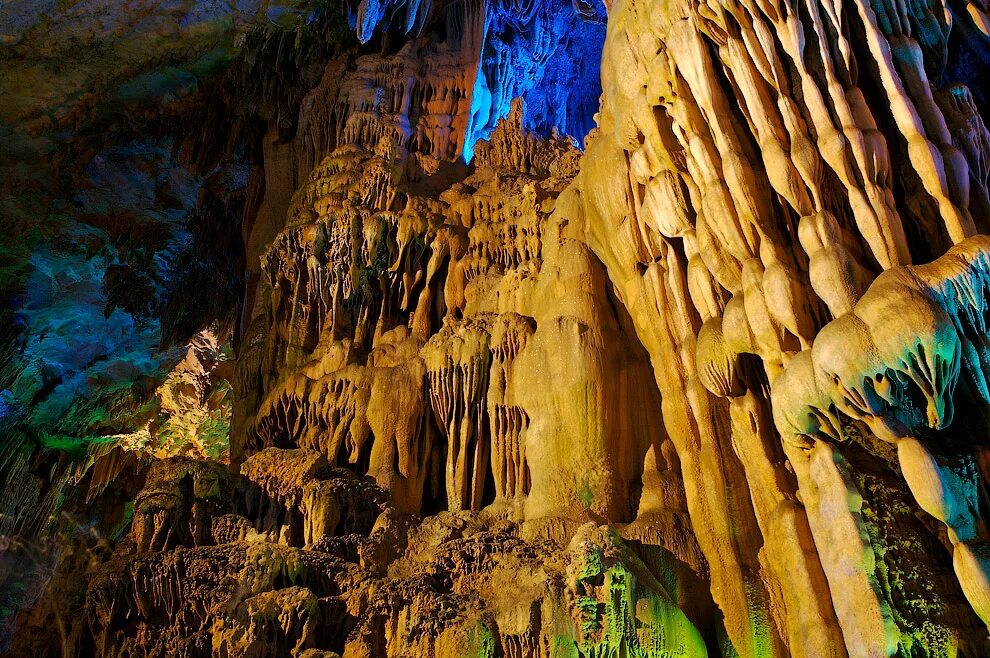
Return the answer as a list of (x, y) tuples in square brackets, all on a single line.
[(716, 385), (195, 576), (756, 168), (403, 330)]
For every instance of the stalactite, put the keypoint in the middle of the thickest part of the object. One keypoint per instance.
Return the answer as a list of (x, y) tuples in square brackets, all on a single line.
[(508, 422), (728, 135), (457, 362)]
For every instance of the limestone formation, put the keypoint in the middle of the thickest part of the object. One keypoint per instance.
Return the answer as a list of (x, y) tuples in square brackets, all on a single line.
[(759, 116), (716, 382)]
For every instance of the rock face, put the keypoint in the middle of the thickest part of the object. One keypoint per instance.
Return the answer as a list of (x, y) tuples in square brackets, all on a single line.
[(403, 333), (328, 565), (716, 385), (755, 170)]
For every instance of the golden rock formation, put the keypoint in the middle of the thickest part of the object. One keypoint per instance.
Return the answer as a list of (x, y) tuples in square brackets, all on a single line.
[(740, 192), (718, 384)]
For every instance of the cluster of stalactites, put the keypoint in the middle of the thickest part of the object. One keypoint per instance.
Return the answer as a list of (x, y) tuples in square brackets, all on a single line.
[(326, 414), (469, 370), (695, 153), (914, 344), (525, 55), (448, 414), (508, 422), (418, 98), (457, 364), (492, 53), (503, 239), (894, 361), (421, 258), (341, 225)]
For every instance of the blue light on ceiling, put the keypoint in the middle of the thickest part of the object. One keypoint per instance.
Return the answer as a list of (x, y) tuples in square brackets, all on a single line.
[(546, 51), (548, 54)]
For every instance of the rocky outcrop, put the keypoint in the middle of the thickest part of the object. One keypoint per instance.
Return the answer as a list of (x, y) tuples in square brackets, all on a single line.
[(375, 582), (403, 338)]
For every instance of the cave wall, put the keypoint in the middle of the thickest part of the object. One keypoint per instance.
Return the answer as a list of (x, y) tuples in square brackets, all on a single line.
[(710, 378), (756, 168)]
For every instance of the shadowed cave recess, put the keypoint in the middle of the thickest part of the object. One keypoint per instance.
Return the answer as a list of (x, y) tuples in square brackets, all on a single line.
[(494, 328)]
